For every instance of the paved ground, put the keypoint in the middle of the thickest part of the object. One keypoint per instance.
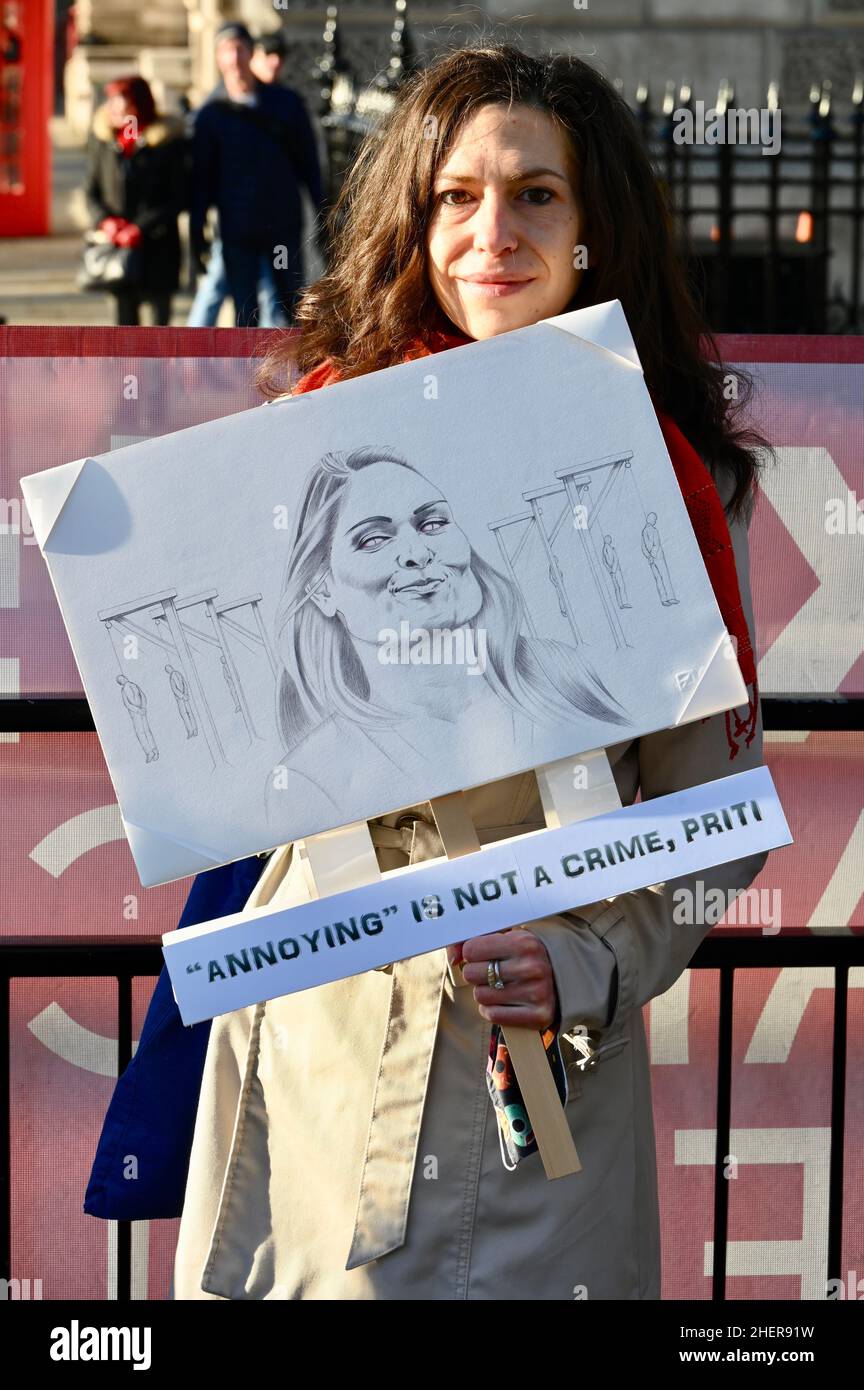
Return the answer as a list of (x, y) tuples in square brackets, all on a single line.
[(37, 284)]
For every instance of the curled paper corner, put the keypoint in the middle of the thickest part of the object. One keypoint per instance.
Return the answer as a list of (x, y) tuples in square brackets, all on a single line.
[(161, 858), (720, 687), (602, 325), (47, 493)]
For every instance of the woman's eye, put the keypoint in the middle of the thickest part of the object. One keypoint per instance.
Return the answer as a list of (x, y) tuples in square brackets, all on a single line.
[(373, 542), (453, 193), (434, 524), (546, 195)]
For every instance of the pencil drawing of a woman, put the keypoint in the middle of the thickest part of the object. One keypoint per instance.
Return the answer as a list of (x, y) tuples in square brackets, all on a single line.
[(376, 546)]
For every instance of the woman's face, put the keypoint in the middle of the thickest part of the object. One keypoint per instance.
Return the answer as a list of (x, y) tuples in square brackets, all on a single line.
[(397, 554), (119, 110), (506, 223)]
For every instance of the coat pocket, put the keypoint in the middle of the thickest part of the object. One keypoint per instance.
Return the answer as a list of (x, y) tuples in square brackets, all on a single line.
[(576, 1065), (571, 1071)]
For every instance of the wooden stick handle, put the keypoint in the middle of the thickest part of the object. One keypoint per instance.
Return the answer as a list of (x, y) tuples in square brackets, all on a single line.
[(525, 1045)]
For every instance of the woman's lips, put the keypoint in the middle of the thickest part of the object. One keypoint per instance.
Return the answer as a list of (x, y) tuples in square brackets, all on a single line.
[(421, 587), (495, 289)]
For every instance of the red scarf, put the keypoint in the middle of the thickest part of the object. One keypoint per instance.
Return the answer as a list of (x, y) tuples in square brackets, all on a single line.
[(127, 139), (707, 517)]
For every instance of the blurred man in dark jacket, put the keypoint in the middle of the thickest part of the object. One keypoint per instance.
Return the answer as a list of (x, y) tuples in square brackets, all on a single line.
[(253, 148), (268, 60)]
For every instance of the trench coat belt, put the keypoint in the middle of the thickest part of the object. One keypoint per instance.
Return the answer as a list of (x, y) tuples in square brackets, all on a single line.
[(381, 1219), (403, 1072)]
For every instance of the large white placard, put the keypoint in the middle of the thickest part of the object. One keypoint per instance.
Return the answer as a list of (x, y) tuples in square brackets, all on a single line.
[(421, 580)]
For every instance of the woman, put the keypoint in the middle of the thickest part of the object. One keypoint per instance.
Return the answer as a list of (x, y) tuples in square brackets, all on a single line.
[(355, 580), (136, 188), (345, 1146)]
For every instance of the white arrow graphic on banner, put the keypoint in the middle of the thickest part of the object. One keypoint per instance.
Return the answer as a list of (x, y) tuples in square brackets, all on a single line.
[(822, 642), (76, 836), (69, 1039), (838, 902), (784, 1009)]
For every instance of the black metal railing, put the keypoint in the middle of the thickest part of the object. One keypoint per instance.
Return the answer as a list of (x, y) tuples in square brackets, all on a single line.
[(64, 957), (770, 223), (727, 951)]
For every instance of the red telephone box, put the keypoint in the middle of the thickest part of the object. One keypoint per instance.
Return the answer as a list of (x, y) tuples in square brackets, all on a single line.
[(26, 103)]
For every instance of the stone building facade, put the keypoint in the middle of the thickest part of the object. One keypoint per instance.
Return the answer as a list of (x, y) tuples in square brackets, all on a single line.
[(751, 42)]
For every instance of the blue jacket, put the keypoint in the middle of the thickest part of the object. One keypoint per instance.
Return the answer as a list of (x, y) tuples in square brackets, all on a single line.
[(151, 1116), (249, 163)]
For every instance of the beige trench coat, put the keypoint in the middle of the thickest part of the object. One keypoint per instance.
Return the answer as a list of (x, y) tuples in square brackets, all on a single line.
[(345, 1145)]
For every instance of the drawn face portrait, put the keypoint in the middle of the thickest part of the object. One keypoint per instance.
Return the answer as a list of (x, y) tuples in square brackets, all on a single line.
[(397, 553)]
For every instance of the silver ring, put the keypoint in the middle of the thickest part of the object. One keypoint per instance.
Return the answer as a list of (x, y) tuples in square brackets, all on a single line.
[(493, 975)]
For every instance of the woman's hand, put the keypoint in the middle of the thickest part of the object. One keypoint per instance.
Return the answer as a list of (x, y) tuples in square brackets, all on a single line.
[(129, 235), (529, 998), (111, 226)]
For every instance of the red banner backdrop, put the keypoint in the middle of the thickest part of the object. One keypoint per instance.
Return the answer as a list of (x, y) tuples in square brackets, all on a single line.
[(67, 870)]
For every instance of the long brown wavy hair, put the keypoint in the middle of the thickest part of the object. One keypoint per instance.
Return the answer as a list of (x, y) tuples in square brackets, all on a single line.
[(376, 296)]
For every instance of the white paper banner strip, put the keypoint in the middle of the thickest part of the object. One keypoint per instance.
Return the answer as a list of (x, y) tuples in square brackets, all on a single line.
[(247, 957)]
